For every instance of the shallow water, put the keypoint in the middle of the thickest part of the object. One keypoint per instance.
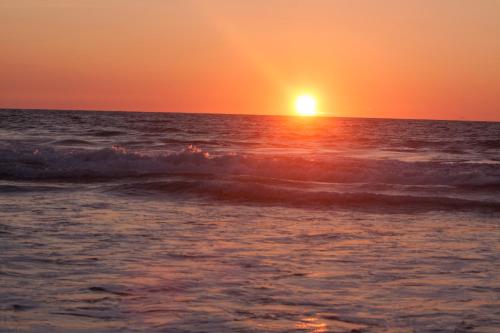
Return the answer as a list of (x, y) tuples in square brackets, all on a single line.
[(112, 222)]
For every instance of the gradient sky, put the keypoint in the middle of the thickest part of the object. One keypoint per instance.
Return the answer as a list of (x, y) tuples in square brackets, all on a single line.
[(372, 58)]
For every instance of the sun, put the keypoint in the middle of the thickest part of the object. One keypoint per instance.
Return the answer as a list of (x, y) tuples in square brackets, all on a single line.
[(306, 105)]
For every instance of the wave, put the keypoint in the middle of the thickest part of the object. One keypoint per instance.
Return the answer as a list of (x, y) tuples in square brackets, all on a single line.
[(25, 162), (73, 142), (7, 188), (106, 133), (254, 193)]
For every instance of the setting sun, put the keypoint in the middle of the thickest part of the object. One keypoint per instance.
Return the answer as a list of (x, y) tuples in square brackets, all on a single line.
[(306, 105)]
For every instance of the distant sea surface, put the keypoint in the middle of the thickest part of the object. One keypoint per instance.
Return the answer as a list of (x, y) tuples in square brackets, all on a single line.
[(165, 222)]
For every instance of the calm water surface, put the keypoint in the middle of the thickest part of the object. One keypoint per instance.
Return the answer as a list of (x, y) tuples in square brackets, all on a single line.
[(140, 222)]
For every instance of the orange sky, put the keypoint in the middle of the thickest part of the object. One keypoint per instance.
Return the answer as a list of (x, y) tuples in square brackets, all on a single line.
[(372, 58)]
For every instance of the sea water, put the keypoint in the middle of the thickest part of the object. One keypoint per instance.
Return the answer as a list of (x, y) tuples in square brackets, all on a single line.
[(169, 222)]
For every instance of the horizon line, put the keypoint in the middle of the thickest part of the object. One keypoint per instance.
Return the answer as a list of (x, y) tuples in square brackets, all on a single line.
[(243, 114)]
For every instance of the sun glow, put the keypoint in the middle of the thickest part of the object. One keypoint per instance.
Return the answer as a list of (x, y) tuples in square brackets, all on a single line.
[(306, 105)]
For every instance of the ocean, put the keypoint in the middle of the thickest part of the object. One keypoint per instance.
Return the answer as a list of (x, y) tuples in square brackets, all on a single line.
[(170, 222)]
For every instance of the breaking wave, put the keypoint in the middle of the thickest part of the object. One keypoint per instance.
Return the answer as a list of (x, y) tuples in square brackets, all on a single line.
[(44, 163)]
